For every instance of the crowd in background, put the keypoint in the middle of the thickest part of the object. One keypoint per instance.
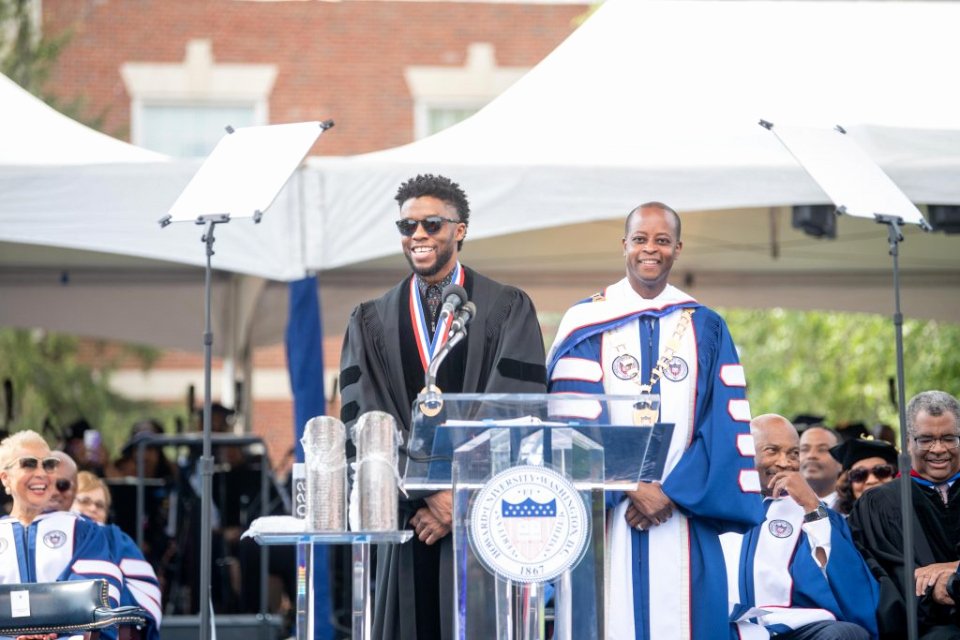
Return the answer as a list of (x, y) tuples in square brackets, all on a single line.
[(840, 465), (103, 486)]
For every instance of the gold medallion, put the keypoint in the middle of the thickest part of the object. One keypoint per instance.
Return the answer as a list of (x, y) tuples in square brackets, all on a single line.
[(430, 401), (646, 411)]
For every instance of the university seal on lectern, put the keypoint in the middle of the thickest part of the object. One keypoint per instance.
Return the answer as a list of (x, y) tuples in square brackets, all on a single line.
[(528, 524)]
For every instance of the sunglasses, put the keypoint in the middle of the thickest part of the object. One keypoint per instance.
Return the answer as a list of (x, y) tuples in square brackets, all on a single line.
[(431, 224), (86, 501), (63, 485), (30, 463), (880, 472)]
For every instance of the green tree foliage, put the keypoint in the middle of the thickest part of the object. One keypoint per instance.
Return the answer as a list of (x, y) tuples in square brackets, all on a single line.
[(840, 365), (52, 386), (28, 56)]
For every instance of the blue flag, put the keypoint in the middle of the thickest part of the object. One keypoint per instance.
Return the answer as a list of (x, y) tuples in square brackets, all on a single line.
[(305, 364)]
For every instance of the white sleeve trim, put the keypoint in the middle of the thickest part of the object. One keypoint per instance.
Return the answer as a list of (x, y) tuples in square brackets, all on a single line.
[(749, 481), (577, 369), (739, 409), (98, 566), (732, 375), (745, 445)]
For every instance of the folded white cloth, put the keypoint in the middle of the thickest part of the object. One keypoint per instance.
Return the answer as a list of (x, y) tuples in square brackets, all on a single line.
[(275, 524)]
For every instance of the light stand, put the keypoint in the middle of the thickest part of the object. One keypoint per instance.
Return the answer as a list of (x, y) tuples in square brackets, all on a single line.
[(241, 177), (206, 457), (906, 496), (858, 187)]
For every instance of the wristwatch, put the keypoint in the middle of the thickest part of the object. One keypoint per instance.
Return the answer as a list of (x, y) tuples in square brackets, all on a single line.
[(817, 514)]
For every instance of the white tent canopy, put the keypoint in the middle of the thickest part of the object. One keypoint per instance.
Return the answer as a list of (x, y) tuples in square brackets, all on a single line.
[(661, 100), (647, 100), (34, 134)]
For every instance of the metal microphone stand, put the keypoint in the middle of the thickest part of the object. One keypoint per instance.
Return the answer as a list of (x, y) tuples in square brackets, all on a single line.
[(432, 403)]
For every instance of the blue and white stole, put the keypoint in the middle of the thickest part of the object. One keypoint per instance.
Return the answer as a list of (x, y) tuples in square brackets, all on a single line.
[(664, 549), (426, 345), (37, 553), (759, 582)]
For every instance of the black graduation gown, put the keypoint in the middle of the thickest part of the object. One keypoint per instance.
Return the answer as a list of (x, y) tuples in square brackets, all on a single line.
[(877, 527), (503, 353)]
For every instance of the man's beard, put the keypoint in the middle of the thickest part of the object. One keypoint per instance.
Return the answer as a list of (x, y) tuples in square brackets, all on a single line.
[(444, 253)]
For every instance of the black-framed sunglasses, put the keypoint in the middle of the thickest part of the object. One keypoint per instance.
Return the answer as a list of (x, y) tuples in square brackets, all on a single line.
[(880, 472), (32, 462), (431, 224), (63, 485)]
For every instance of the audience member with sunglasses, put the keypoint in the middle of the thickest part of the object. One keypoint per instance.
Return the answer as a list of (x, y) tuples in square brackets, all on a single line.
[(865, 464), (40, 545), (386, 351), (64, 483), (933, 442)]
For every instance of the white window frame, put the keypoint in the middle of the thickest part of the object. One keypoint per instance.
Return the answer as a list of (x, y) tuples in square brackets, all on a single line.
[(471, 86), (197, 81)]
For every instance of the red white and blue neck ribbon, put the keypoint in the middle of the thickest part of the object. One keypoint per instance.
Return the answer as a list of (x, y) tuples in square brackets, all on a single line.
[(418, 319)]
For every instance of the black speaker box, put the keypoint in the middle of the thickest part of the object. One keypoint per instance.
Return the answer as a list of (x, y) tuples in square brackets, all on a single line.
[(944, 217), (817, 220)]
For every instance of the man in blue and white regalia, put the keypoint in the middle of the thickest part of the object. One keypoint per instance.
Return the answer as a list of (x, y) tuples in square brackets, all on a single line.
[(798, 575), (666, 578)]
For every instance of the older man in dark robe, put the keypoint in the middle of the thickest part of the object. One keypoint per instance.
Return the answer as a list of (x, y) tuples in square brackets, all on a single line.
[(933, 429), (386, 351)]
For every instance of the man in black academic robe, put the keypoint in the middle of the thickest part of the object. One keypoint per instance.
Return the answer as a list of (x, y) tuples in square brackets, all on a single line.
[(382, 368), (933, 430)]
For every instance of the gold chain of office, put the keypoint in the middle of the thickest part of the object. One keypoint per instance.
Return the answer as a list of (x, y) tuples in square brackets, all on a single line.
[(644, 413)]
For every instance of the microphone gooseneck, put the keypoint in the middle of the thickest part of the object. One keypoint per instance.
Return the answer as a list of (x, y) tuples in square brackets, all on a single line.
[(454, 296), (463, 312), (463, 316)]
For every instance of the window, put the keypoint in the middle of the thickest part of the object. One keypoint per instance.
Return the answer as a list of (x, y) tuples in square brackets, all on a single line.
[(188, 131), (443, 96), (182, 109)]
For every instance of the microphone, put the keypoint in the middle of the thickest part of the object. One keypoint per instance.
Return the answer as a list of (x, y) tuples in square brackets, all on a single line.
[(453, 297), (463, 317)]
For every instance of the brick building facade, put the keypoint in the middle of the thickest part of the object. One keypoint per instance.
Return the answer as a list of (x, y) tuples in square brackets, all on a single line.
[(375, 67)]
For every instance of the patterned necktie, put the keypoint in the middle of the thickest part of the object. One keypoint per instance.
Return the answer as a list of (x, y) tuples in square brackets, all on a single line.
[(942, 489), (433, 303)]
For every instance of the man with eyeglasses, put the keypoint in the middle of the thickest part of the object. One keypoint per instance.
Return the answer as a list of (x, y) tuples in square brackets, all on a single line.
[(933, 435), (386, 351)]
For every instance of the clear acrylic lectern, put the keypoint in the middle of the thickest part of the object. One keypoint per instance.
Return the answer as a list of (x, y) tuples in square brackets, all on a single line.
[(528, 473)]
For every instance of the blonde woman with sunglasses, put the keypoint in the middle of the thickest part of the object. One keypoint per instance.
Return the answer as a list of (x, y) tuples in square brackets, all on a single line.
[(39, 545)]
